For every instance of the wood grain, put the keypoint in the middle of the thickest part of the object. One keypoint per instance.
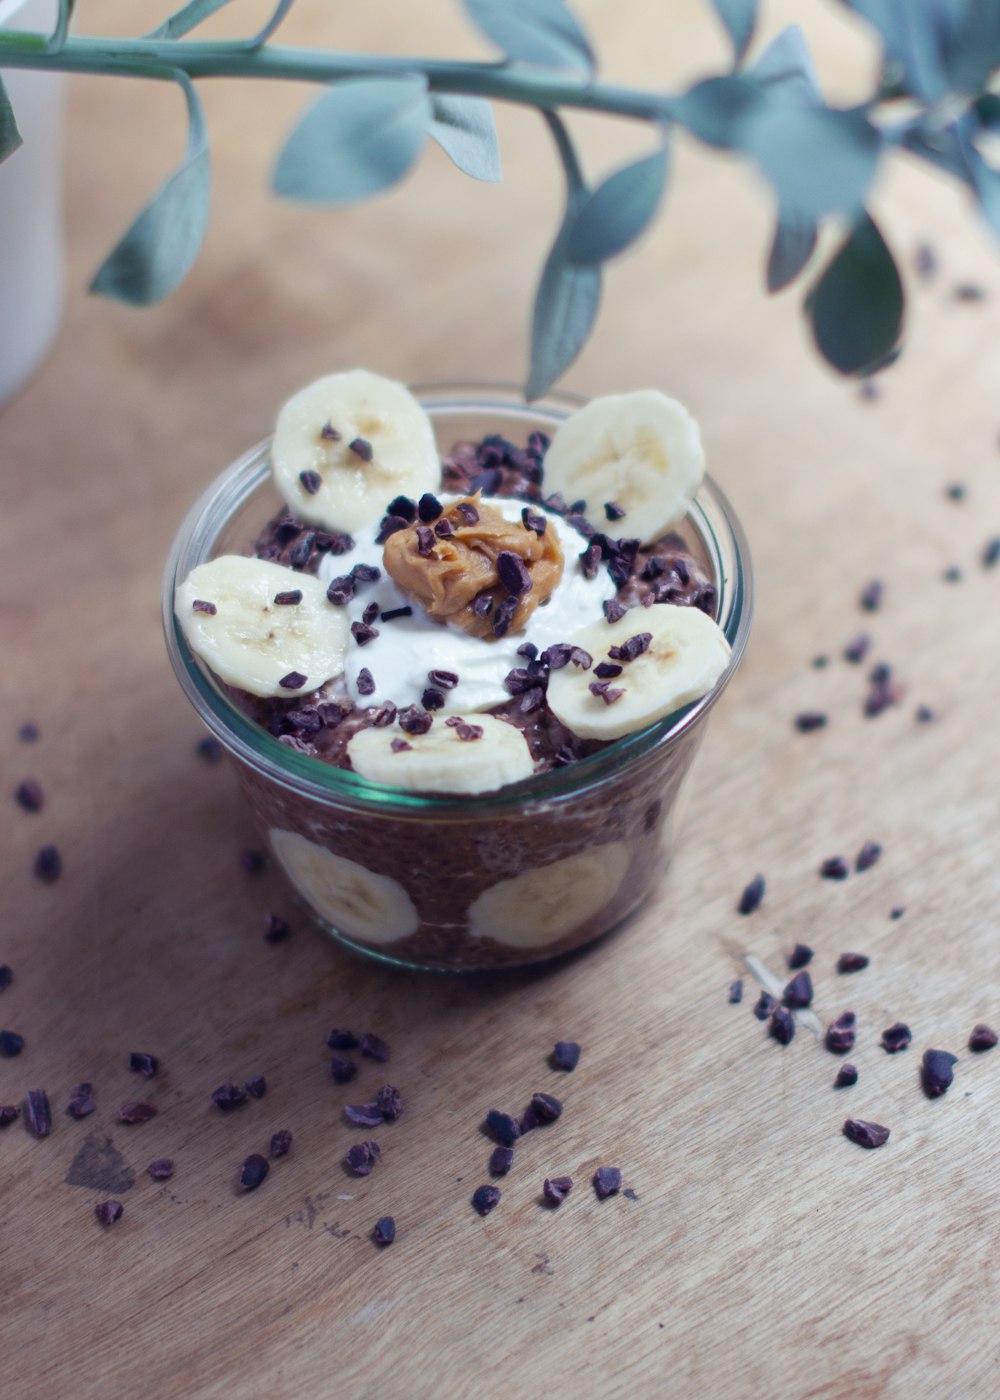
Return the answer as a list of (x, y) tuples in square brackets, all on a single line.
[(762, 1254)]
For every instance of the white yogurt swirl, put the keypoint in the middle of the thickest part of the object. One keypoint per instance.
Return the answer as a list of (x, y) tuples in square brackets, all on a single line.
[(407, 648)]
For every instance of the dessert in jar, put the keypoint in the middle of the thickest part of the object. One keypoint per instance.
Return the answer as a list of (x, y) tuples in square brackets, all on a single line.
[(473, 670)]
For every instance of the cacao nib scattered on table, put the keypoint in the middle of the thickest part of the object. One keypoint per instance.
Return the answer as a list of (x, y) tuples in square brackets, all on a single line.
[(565, 1055), (485, 1198), (276, 929), (764, 1005), (9, 1113), (501, 1161), (228, 1096), (253, 862), (384, 1231), (736, 992), (141, 1063), (897, 911), (858, 648), (846, 1076), (820, 662), (782, 1027), (29, 795), (925, 715), (11, 1044), (800, 956), (364, 1115), (48, 865), (871, 595), (339, 1039), (108, 1212), (983, 1037), (6, 976), (835, 868), (810, 720), (253, 1171), (841, 1032), (865, 1134), (37, 1113), (281, 1143), (990, 556), (937, 1072), (897, 1037), (342, 1070), (161, 1169), (799, 991), (136, 1112), (555, 1189), (969, 291), (753, 894), (545, 1108), (867, 856), (390, 1101), (361, 1158), (256, 1086), (373, 1048), (209, 749), (852, 962), (607, 1182), (503, 1127), (29, 733), (82, 1104)]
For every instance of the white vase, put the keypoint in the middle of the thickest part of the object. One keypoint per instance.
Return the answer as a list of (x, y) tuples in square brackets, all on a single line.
[(31, 218)]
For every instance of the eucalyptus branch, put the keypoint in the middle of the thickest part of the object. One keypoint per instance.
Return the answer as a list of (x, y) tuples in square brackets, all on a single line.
[(373, 115)]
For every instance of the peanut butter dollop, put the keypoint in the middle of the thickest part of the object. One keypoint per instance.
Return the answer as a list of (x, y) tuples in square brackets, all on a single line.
[(461, 578)]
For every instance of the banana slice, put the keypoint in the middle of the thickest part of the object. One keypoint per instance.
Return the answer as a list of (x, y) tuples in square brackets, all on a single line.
[(345, 445), (545, 904), (357, 902), (642, 451), (686, 654), (229, 617), (448, 758)]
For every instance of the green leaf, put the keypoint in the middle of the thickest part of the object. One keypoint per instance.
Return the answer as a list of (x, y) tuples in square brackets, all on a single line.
[(359, 138), (793, 246), (57, 39), (465, 130), (716, 110), (542, 32), (786, 68), (618, 211), (740, 18), (568, 295), (188, 17), (10, 137), (818, 159), (157, 252), (857, 305)]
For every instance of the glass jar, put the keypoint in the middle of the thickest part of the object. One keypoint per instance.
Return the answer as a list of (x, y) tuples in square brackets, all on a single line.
[(490, 880)]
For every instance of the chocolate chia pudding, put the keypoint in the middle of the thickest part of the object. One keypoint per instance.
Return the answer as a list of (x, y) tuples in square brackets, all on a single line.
[(462, 711)]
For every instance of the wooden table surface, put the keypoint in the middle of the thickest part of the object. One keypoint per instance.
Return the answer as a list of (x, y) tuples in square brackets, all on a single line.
[(758, 1252)]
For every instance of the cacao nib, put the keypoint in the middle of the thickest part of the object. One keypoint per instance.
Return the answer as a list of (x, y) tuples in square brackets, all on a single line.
[(607, 1182), (276, 930), (753, 894), (865, 1134), (361, 1158), (384, 1231), (613, 511), (9, 1113), (565, 1055), (390, 524), (362, 448), (799, 991), (37, 1113), (531, 520), (339, 1039), (443, 680), (834, 868), (581, 658), (29, 795), (413, 720), (209, 750), (764, 1006), (809, 720), (141, 1063), (365, 682), (800, 956), (82, 1104), (342, 1070), (896, 1038), (867, 856), (736, 992), (488, 482), (29, 733), (513, 573), (281, 1143), (468, 512), (108, 1212), (329, 433), (136, 1112), (363, 633), (990, 556), (253, 1172), (311, 482), (256, 1086), (201, 606), (11, 1044), (341, 590), (782, 1028), (390, 1102), (983, 1037), (404, 507), (373, 1048), (607, 670), (871, 596), (504, 1128), (544, 1108), (840, 1033), (613, 609), (364, 1115), (295, 680), (228, 1096), (503, 616), (846, 1076), (501, 1161), (6, 976), (443, 529), (485, 1198), (253, 862), (852, 962), (290, 598), (858, 648), (633, 647), (161, 1169), (937, 1072), (428, 507), (432, 699), (400, 746), (48, 865), (555, 1189)]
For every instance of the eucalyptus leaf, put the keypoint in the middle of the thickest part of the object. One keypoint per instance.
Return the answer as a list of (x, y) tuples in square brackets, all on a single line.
[(740, 19), (356, 140), (786, 67), (10, 137), (856, 307), (568, 295), (819, 160), (717, 109), (262, 36), (541, 32), (157, 252), (793, 246), (914, 36), (941, 146), (617, 212), (972, 45), (188, 17), (57, 39), (987, 110), (465, 130)]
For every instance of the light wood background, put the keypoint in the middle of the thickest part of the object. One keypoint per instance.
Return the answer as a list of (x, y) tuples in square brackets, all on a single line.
[(761, 1253)]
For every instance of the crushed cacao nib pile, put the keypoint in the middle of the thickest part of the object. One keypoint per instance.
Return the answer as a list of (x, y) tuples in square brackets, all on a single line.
[(322, 723)]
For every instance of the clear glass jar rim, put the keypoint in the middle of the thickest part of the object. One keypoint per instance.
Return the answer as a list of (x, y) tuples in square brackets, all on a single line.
[(301, 773)]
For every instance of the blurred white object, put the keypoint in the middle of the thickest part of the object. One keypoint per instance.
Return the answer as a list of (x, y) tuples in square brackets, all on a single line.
[(31, 222)]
